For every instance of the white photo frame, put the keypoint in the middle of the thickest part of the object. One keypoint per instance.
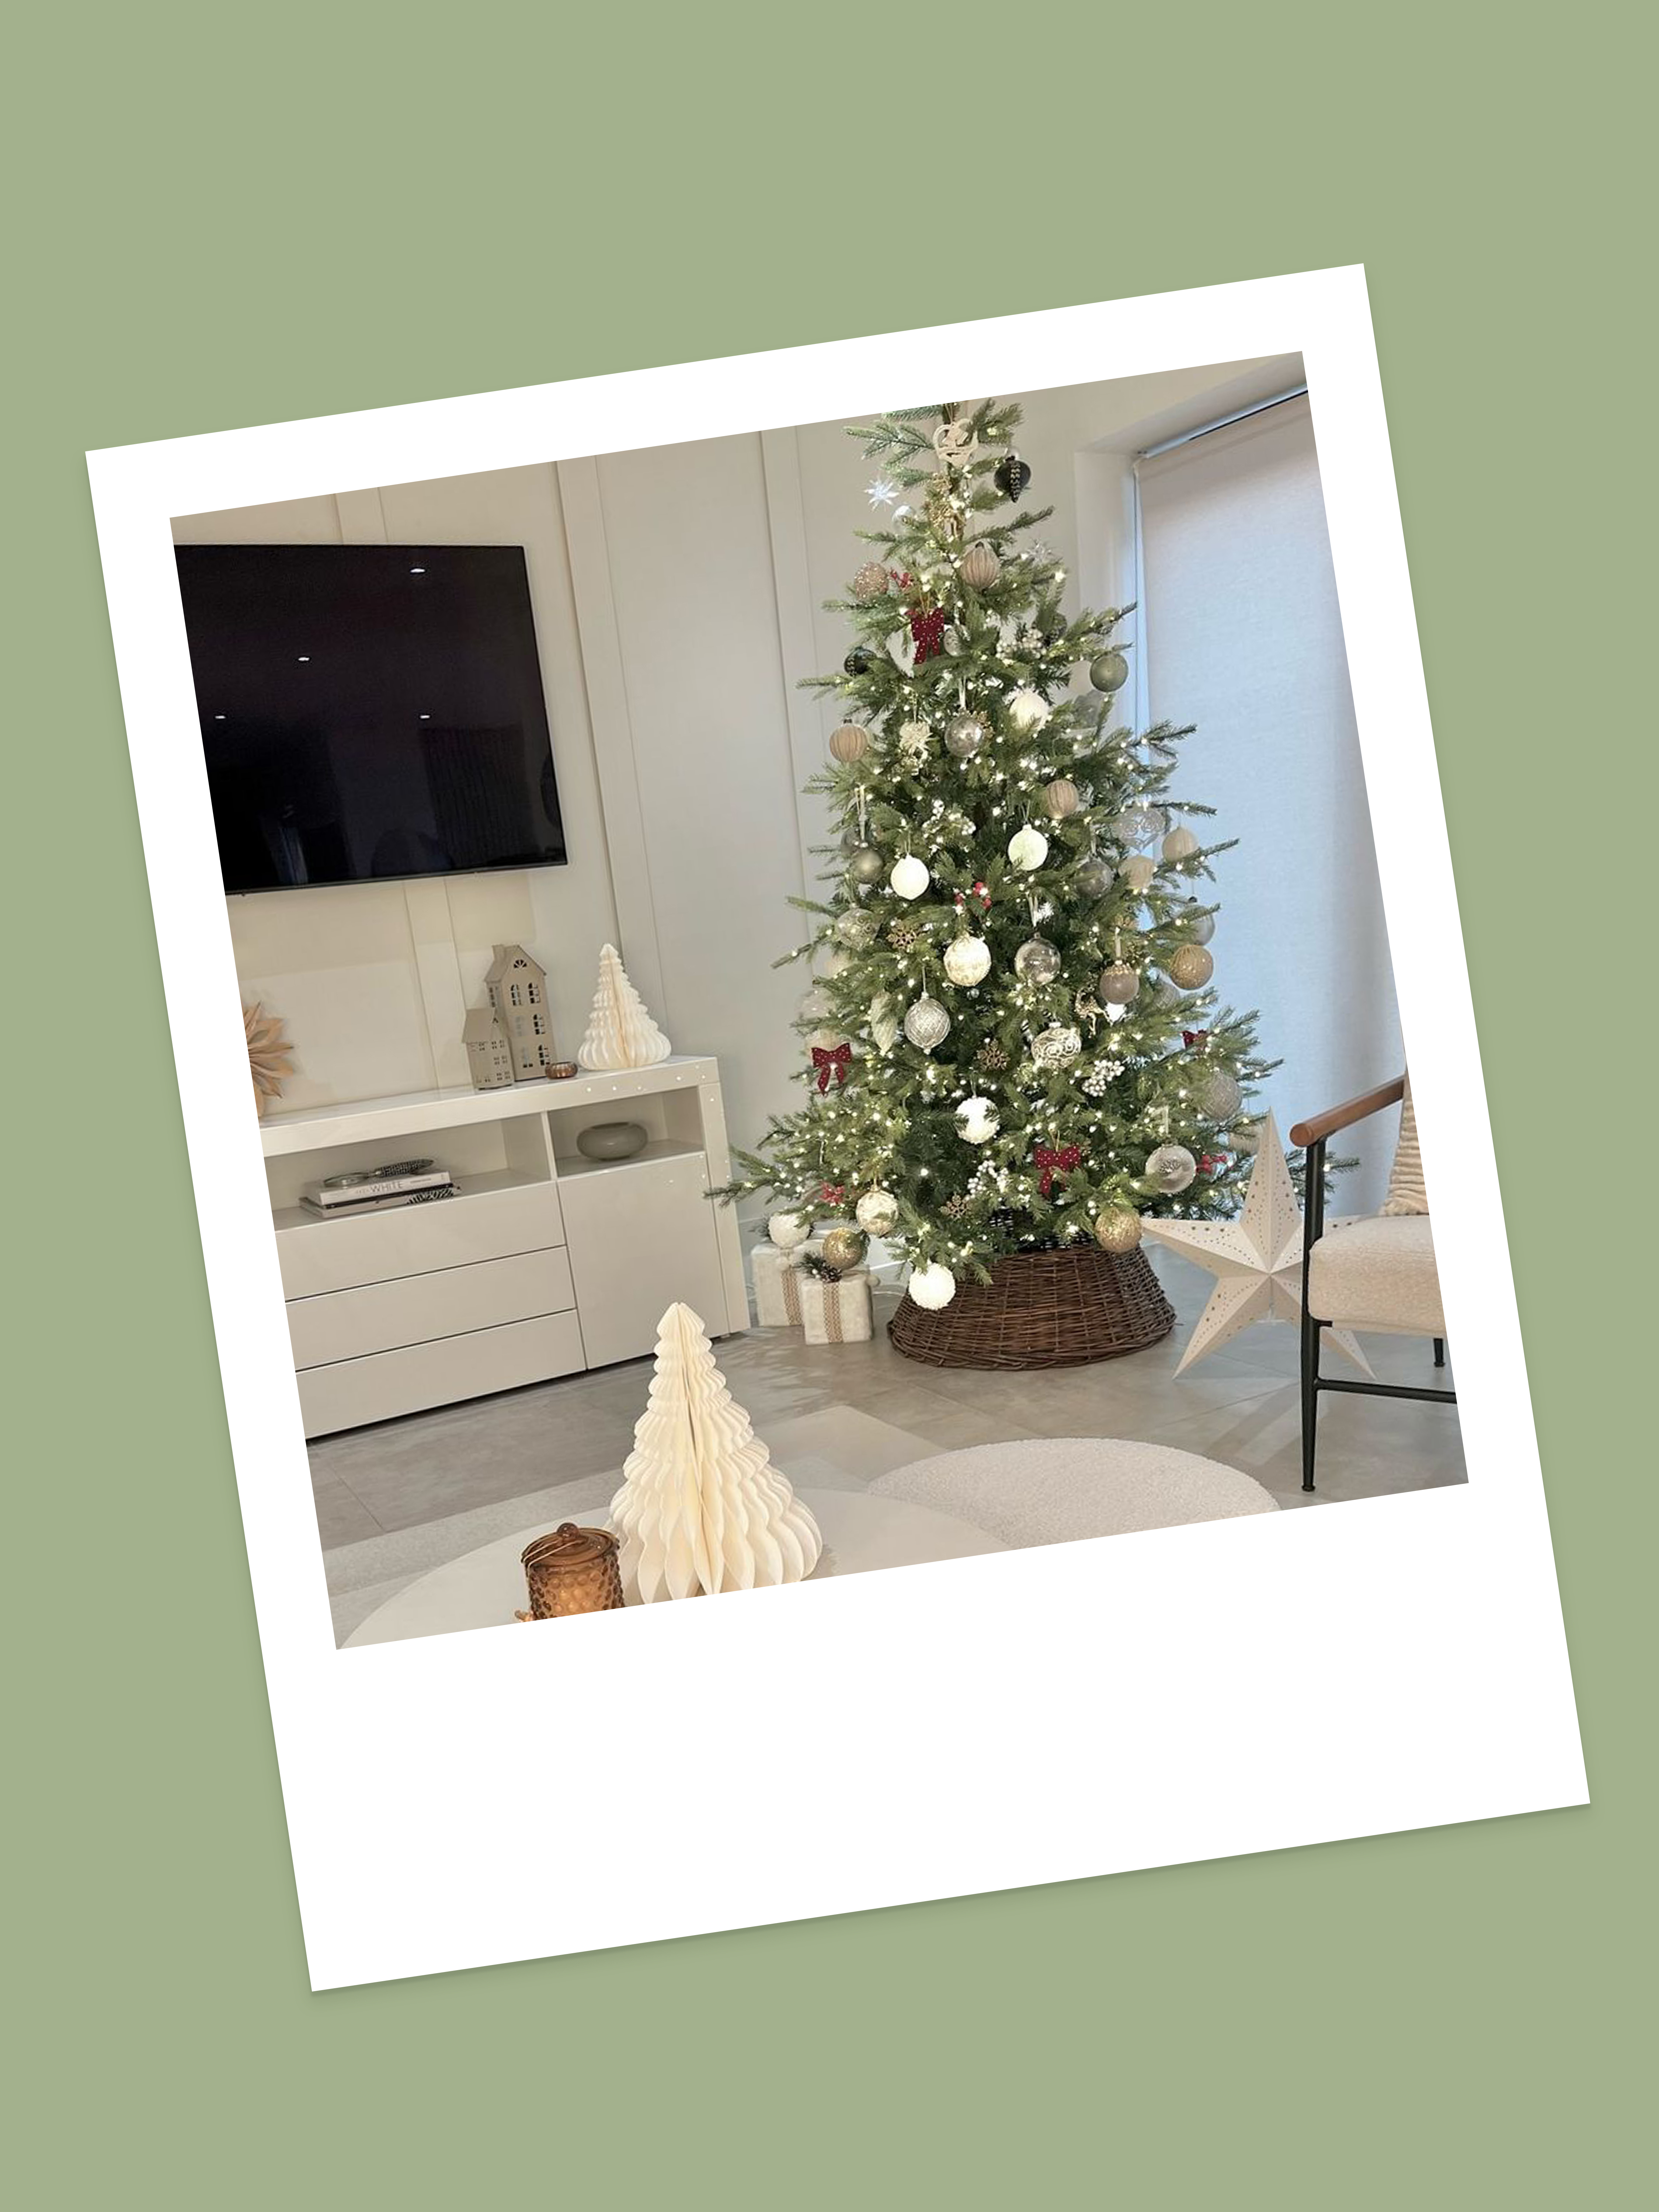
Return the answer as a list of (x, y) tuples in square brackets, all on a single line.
[(982, 1724)]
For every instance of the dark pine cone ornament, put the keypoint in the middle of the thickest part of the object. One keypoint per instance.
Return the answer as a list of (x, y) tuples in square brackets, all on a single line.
[(1012, 477)]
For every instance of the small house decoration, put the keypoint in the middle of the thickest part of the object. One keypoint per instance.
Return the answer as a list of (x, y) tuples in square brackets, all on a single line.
[(268, 1053), (489, 1056), (518, 991)]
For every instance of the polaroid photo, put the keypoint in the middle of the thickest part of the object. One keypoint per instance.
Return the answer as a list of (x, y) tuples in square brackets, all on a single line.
[(869, 1027)]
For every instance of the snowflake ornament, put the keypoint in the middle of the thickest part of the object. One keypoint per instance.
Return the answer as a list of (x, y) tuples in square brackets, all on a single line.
[(881, 493)]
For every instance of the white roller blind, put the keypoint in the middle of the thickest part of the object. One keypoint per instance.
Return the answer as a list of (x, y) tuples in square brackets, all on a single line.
[(1240, 633)]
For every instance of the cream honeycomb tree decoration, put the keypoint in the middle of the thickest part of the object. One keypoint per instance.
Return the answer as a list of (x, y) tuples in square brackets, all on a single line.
[(701, 1508), (620, 1032)]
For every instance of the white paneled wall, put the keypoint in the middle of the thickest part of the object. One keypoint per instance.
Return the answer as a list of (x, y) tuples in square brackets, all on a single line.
[(678, 597)]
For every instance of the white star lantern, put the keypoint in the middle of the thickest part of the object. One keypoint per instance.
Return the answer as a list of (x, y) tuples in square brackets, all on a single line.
[(1256, 1260)]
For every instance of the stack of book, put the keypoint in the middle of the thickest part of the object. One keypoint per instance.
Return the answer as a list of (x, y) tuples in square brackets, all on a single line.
[(405, 1183)]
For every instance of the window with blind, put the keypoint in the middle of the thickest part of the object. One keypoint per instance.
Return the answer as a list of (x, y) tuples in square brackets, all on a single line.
[(1240, 633)]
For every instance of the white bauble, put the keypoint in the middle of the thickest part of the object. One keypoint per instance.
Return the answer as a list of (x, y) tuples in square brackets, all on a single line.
[(1138, 871), (933, 1287), (1028, 848), (1180, 845), (877, 1213), (977, 1121), (967, 960), (1170, 1169), (910, 878), (1028, 709), (787, 1230)]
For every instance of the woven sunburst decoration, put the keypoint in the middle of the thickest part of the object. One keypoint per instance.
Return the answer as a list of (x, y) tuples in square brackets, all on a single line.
[(267, 1054)]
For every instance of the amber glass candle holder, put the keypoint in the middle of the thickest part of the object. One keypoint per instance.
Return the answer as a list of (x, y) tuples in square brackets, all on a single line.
[(572, 1571)]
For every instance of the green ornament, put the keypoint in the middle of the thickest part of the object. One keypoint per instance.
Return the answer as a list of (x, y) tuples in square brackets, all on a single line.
[(1110, 672)]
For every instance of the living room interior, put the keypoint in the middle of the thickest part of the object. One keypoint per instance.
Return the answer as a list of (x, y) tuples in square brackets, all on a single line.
[(470, 1372)]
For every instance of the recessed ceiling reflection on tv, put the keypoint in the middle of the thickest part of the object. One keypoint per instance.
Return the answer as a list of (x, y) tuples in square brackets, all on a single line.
[(369, 712)]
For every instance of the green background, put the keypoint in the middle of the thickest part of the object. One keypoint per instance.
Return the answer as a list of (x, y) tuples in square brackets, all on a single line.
[(226, 216)]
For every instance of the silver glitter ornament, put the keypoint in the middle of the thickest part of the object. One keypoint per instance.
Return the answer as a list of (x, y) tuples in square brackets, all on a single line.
[(867, 866), (963, 736), (1092, 878), (1219, 1093)]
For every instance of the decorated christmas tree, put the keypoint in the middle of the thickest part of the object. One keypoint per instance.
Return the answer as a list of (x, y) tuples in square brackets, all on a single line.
[(1010, 1044)]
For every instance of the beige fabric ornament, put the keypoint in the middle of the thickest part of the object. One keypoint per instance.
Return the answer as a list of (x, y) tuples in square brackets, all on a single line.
[(1407, 1192), (1180, 845), (849, 743), (980, 567), (1191, 967), (620, 1032), (1138, 871), (701, 1508), (1062, 798)]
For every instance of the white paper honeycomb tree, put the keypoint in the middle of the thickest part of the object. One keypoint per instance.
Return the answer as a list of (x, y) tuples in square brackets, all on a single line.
[(701, 1508), (620, 1032)]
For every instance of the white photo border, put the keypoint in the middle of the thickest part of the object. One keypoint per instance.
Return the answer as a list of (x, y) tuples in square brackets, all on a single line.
[(978, 1724)]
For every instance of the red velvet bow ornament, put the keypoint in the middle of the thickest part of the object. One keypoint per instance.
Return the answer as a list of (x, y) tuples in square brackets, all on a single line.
[(1054, 1160), (1212, 1163), (1192, 1038), (928, 630), (840, 1059), (833, 1193)]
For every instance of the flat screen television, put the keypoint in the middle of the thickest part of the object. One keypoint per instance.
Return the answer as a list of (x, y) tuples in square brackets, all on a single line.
[(369, 712)]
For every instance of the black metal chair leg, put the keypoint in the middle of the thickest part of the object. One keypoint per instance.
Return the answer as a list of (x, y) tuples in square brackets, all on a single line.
[(1440, 1352), (1309, 1397)]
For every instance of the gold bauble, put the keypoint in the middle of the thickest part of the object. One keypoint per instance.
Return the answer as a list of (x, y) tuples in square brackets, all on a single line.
[(844, 1247), (1191, 966), (1118, 1230), (870, 582)]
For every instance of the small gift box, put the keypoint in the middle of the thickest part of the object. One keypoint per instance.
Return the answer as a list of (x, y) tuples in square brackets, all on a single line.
[(777, 1288), (835, 1310)]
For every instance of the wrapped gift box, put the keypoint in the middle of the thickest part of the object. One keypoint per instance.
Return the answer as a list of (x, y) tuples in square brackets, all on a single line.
[(777, 1286), (838, 1312)]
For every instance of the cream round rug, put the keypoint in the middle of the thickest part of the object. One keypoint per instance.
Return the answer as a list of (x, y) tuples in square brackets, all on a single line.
[(1054, 1490)]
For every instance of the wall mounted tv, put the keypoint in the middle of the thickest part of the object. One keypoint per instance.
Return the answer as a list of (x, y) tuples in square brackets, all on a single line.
[(369, 712)]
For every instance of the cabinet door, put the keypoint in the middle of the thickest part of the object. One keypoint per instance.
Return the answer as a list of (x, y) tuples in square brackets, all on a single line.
[(640, 1238)]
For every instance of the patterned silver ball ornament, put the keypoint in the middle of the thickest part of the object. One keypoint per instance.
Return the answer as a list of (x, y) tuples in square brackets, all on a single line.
[(871, 582), (877, 1213), (1036, 961), (1200, 927), (1138, 825), (1219, 1093), (963, 736), (1092, 878), (1118, 1230), (1191, 967), (1170, 1169), (1119, 984), (856, 928), (927, 1024), (867, 866), (1109, 672), (1056, 1047)]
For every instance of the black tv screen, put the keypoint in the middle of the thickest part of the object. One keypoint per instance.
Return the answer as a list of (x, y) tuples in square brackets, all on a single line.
[(369, 711)]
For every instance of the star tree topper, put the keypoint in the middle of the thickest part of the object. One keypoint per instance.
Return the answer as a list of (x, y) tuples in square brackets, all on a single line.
[(1256, 1260)]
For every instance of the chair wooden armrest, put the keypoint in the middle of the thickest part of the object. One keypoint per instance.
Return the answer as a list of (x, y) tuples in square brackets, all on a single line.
[(1320, 1125)]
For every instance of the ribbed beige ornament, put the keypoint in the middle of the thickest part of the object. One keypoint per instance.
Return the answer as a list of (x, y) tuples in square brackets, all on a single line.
[(849, 743), (980, 567), (701, 1508), (620, 1032)]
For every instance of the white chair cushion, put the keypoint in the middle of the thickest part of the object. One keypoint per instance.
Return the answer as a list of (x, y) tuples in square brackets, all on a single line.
[(1378, 1272)]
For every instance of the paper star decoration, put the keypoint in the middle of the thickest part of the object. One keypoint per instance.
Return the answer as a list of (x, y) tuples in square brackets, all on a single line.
[(1256, 1260)]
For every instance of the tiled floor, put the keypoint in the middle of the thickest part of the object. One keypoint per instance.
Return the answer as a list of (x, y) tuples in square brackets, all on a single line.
[(1239, 1405)]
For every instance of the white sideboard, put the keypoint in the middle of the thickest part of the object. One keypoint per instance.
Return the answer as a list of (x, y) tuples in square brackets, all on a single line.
[(545, 1264)]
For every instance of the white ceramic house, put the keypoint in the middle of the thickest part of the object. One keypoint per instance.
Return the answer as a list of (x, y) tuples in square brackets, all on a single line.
[(518, 991), (489, 1056)]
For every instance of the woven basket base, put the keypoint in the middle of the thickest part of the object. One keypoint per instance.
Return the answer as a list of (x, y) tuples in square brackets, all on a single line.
[(1059, 1308)]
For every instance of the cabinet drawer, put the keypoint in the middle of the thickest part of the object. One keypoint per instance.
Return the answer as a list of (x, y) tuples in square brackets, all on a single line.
[(415, 1308), (352, 1392), (318, 1257)]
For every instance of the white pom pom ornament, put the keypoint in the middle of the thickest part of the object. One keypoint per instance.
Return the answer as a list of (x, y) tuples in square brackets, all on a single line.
[(933, 1287)]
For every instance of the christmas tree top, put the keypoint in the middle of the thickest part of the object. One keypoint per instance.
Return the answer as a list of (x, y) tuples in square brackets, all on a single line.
[(1010, 1043)]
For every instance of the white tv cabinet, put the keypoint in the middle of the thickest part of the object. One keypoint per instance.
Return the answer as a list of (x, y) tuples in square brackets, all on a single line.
[(546, 1263)]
